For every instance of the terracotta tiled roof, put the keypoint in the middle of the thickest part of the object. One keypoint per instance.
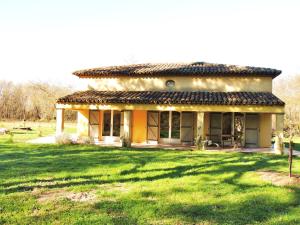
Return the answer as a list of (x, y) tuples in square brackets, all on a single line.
[(172, 69), (172, 97)]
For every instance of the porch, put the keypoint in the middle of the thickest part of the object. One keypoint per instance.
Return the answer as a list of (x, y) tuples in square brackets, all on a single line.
[(175, 128), (175, 117)]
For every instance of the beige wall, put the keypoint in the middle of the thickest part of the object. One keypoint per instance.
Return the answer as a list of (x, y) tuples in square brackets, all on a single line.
[(186, 83), (83, 122), (265, 128), (139, 126)]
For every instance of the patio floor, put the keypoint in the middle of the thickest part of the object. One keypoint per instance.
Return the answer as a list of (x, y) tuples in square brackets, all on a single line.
[(51, 140)]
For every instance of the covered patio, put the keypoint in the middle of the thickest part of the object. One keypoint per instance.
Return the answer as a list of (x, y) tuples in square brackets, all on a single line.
[(226, 119)]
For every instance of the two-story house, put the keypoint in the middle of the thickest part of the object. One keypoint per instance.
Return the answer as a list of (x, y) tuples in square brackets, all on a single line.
[(175, 103)]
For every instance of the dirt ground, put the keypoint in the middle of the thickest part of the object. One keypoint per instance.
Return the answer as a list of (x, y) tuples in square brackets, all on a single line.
[(55, 195), (279, 179)]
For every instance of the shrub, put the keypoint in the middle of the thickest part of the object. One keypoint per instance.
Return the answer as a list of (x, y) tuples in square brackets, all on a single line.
[(85, 140), (200, 144), (4, 130), (11, 137), (125, 143), (64, 139), (40, 132)]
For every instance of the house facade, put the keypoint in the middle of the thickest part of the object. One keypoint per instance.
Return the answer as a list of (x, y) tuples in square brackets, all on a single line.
[(175, 104)]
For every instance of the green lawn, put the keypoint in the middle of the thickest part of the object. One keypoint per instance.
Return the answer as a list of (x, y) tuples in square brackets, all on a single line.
[(48, 128), (81, 184), (140, 186), (39, 129), (296, 141)]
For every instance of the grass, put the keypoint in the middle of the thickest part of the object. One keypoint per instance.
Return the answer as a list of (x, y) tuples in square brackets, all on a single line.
[(48, 128), (296, 141), (138, 186), (142, 186), (38, 129)]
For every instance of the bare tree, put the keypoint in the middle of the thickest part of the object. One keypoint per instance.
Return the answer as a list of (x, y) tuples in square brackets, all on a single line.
[(287, 88), (292, 130), (31, 101)]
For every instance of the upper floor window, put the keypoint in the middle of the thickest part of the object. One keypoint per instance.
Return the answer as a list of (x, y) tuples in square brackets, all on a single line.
[(170, 83)]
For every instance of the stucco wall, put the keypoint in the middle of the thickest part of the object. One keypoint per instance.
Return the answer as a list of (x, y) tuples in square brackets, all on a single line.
[(139, 126), (265, 128), (182, 83)]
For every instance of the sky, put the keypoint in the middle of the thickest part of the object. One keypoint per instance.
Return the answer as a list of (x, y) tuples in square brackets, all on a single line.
[(46, 40)]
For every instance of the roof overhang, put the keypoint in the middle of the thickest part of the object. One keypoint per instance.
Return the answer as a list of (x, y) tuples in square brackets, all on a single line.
[(172, 98), (176, 69)]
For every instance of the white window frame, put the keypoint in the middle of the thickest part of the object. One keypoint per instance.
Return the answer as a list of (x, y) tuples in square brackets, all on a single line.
[(170, 140), (111, 138)]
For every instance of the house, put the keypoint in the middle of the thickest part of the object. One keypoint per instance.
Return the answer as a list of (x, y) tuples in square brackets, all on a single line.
[(175, 103)]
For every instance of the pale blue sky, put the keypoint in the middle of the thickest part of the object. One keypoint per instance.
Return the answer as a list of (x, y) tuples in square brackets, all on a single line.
[(47, 40)]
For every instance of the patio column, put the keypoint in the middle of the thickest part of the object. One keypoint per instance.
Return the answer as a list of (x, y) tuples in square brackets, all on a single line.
[(279, 125), (232, 130), (126, 141), (200, 125), (60, 121), (244, 131)]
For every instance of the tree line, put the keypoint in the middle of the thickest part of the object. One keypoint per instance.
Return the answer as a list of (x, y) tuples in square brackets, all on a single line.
[(36, 100), (31, 101), (287, 89)]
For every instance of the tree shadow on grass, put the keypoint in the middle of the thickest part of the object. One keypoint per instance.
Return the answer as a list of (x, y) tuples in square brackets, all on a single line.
[(76, 159), (51, 159), (32, 160), (232, 164), (257, 209), (252, 210)]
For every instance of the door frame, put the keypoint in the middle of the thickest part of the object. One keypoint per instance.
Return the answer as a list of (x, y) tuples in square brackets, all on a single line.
[(94, 124), (233, 115), (219, 128), (111, 138), (151, 141), (170, 140), (192, 127)]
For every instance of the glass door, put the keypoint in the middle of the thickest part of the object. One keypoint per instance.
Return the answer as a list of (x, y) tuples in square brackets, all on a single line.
[(116, 123), (215, 127), (169, 131), (106, 123), (164, 125), (111, 128), (227, 129), (187, 131), (251, 130), (175, 125)]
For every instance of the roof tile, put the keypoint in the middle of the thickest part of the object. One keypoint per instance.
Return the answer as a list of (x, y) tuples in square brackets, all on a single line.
[(171, 97), (175, 69)]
